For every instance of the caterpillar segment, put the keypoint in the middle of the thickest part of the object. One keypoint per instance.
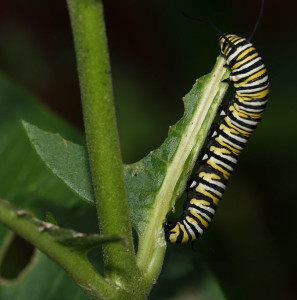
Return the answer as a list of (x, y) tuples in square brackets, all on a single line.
[(227, 138)]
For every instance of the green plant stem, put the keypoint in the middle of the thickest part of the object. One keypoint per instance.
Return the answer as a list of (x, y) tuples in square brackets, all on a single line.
[(74, 263), (102, 136)]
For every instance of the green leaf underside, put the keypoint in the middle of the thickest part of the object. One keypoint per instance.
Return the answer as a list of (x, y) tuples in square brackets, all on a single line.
[(78, 241), (172, 161)]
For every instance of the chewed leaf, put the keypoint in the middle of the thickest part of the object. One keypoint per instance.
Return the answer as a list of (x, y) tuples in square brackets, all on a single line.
[(67, 160), (159, 179), (153, 183)]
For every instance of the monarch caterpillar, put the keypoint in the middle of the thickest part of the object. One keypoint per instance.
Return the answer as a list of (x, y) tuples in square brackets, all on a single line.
[(240, 117)]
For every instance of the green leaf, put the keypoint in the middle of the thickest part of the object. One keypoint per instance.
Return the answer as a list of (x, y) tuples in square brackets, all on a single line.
[(155, 182), (24, 178), (64, 158), (42, 279)]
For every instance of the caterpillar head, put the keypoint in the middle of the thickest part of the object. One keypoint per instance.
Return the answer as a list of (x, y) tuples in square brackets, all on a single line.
[(226, 43)]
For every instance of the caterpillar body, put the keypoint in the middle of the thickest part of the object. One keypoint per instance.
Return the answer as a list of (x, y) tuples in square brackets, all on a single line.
[(240, 117)]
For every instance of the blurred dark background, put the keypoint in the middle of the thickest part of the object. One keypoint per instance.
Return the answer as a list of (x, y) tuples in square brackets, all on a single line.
[(156, 56)]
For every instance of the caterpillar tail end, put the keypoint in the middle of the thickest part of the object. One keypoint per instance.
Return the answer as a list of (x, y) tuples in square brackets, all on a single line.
[(170, 231)]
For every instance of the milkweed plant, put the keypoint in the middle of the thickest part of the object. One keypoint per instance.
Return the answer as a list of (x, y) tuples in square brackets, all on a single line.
[(137, 195)]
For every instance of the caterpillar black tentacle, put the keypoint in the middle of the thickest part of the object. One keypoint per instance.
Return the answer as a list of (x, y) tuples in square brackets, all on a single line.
[(217, 160)]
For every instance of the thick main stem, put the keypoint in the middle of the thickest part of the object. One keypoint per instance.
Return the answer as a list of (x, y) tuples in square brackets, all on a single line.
[(102, 136)]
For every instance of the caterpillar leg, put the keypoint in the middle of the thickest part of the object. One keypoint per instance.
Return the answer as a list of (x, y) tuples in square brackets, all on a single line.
[(191, 182), (202, 156), (223, 108), (212, 132)]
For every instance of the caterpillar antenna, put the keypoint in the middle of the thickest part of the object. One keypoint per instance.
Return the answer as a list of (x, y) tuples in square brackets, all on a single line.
[(258, 21), (211, 24), (204, 21)]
